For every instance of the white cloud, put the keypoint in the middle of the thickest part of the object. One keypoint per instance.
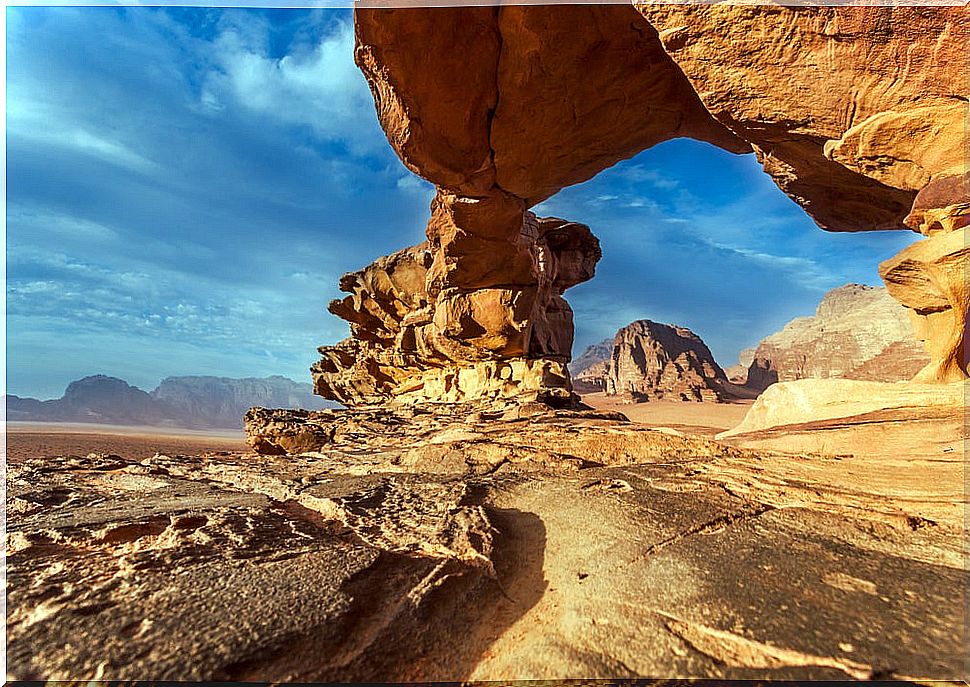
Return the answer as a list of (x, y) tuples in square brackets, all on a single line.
[(321, 88), (47, 222), (35, 121), (642, 174)]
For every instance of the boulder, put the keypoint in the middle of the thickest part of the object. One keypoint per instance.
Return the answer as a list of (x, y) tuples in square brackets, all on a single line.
[(812, 400)]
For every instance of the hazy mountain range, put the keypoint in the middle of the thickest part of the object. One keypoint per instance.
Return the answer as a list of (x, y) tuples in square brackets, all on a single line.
[(190, 402)]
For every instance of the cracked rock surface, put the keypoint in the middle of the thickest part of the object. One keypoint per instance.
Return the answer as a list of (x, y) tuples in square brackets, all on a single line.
[(450, 547)]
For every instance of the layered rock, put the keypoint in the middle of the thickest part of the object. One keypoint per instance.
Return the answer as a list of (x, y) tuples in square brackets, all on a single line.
[(420, 547), (930, 278), (656, 361), (805, 401), (451, 320), (857, 332), (852, 111)]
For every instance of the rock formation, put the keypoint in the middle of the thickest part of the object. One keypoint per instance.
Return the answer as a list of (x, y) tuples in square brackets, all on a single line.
[(930, 278), (853, 112), (446, 547), (593, 355), (804, 401), (656, 361), (738, 373), (857, 332), (450, 319), (590, 369)]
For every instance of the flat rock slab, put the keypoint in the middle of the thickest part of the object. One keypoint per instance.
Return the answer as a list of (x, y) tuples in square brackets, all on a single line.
[(344, 566)]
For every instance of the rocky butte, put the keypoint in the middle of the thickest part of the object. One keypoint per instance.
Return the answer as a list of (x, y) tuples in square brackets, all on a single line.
[(465, 518), (857, 332), (647, 360)]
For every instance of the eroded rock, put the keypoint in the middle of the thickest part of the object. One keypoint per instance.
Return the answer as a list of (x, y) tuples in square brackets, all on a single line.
[(806, 400), (451, 320), (446, 547), (657, 361), (851, 110), (930, 278), (857, 332)]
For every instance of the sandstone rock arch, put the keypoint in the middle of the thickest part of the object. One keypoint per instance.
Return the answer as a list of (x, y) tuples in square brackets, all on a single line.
[(856, 113)]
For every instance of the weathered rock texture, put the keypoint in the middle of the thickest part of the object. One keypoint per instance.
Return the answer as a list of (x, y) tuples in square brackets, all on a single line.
[(857, 332), (657, 361), (451, 319), (930, 278), (803, 401), (852, 111), (448, 547), (859, 115)]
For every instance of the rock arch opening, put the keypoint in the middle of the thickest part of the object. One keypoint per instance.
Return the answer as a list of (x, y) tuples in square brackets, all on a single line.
[(500, 107)]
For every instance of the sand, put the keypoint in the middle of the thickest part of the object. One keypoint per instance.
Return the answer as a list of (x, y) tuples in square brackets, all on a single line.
[(703, 419), (43, 439)]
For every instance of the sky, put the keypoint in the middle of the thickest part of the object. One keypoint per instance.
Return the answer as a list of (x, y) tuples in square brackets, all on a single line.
[(185, 187)]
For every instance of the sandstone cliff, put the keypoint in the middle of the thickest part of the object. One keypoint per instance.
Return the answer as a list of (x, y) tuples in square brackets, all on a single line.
[(857, 332), (853, 112), (656, 361)]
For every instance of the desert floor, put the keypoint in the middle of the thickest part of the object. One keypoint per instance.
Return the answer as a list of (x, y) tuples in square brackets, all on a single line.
[(703, 419), (37, 439), (557, 545)]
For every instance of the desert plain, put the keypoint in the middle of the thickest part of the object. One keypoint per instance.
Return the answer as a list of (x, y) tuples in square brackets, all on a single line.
[(539, 544)]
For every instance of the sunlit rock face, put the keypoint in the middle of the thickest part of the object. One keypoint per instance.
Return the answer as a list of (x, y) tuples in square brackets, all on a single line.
[(425, 326), (851, 110), (857, 332), (524, 99), (854, 112), (653, 361), (930, 278), (859, 115)]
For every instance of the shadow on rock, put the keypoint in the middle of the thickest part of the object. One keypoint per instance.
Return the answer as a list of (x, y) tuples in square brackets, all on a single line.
[(418, 618)]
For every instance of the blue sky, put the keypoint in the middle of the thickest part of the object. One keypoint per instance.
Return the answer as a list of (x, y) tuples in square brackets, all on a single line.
[(186, 186)]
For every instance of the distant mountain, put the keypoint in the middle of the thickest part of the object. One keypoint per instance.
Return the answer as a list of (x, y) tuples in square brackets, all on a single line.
[(593, 355), (648, 360), (190, 402), (857, 332), (223, 401)]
